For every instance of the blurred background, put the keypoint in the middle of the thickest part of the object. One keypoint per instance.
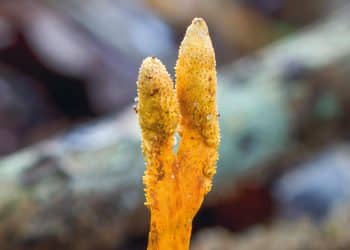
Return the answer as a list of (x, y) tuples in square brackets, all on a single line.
[(70, 160)]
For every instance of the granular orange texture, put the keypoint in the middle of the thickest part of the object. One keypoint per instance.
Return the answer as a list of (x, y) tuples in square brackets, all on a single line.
[(176, 183)]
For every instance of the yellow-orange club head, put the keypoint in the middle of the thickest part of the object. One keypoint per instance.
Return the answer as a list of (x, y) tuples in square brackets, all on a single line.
[(196, 82), (157, 105)]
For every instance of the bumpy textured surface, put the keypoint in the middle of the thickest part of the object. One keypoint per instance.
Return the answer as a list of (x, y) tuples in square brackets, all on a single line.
[(158, 105), (176, 183), (196, 82)]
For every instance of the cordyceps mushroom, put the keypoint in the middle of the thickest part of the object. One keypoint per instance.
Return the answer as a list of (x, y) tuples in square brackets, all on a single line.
[(176, 182)]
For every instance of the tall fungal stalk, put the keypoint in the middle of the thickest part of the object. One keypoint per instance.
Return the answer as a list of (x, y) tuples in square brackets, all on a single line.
[(176, 182)]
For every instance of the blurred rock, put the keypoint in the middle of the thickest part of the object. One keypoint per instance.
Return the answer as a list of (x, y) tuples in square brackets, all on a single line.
[(300, 234), (290, 237), (316, 187)]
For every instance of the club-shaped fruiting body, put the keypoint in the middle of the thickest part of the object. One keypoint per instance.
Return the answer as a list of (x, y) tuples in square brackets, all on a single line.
[(176, 183)]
